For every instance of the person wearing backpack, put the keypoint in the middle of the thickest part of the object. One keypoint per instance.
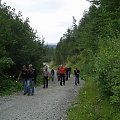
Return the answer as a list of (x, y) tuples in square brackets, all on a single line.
[(31, 80), (24, 75)]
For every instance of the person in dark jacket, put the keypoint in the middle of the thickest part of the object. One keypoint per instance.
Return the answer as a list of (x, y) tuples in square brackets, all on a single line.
[(66, 70), (52, 74), (69, 72), (76, 73), (31, 80), (24, 75)]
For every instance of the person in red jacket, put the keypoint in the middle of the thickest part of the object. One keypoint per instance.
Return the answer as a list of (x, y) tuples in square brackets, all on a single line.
[(62, 75)]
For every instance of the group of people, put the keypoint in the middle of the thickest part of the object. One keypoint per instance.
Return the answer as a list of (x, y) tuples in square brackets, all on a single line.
[(29, 77), (63, 73)]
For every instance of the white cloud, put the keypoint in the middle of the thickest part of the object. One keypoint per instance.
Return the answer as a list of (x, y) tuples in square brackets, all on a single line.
[(51, 18)]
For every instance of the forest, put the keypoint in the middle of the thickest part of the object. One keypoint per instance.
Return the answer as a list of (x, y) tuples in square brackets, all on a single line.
[(19, 45), (92, 45)]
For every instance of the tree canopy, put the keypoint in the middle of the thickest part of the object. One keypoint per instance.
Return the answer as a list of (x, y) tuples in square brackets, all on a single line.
[(19, 43), (94, 46)]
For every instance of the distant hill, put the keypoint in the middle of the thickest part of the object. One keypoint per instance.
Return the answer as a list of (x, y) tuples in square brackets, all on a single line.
[(52, 45)]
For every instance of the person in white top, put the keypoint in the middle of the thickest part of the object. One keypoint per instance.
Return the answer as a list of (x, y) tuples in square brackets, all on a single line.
[(46, 76)]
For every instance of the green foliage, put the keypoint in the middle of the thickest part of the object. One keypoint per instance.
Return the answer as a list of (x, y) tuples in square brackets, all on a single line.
[(49, 54), (5, 63), (9, 86), (107, 67), (89, 105), (19, 44), (94, 47)]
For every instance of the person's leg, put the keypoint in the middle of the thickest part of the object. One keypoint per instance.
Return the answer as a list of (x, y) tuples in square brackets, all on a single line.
[(63, 79), (44, 79), (46, 82), (58, 77), (28, 86), (25, 86), (75, 80), (67, 76), (78, 80), (69, 73), (32, 86), (52, 77)]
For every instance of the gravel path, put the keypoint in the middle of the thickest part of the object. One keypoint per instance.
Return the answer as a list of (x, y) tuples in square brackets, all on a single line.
[(47, 104)]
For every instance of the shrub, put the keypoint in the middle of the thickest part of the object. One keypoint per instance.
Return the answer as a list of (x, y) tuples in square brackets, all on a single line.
[(107, 67)]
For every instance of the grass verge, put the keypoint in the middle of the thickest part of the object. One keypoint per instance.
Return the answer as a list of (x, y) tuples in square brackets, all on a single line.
[(9, 86), (89, 105)]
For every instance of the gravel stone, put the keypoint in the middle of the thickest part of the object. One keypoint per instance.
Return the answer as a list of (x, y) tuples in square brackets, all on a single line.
[(47, 103)]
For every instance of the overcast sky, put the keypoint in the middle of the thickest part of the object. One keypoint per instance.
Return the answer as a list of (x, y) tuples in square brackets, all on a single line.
[(50, 18)]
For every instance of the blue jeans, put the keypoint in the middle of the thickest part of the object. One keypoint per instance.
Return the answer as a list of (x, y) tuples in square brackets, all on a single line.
[(77, 80), (30, 85), (25, 85), (69, 74), (52, 76)]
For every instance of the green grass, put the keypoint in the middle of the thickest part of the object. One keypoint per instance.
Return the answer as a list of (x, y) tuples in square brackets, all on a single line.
[(89, 105)]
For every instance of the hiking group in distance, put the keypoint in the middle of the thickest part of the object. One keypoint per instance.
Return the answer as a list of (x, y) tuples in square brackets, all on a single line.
[(63, 73)]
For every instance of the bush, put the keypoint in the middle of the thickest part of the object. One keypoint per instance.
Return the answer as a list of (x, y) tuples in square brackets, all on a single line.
[(90, 106), (107, 67), (9, 86)]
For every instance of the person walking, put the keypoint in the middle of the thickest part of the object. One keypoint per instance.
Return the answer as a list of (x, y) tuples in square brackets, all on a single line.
[(66, 75), (24, 75), (76, 73), (58, 74), (45, 80), (69, 72), (52, 74), (62, 75), (31, 80)]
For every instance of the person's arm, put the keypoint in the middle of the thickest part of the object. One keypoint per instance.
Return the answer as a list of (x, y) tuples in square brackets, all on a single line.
[(19, 76)]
